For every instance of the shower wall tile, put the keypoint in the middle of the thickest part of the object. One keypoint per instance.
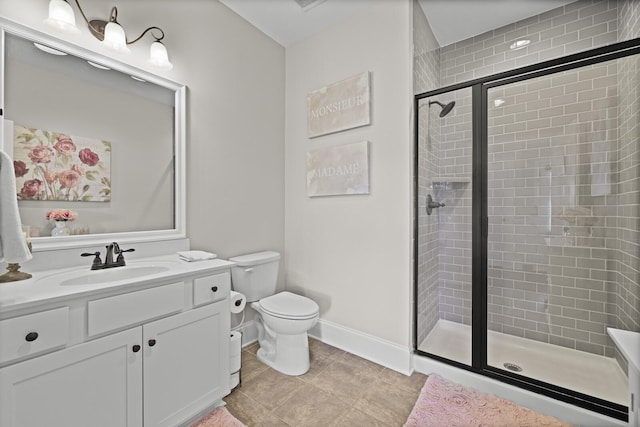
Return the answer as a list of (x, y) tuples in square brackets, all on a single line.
[(426, 77), (575, 27), (580, 128), (626, 258), (567, 123)]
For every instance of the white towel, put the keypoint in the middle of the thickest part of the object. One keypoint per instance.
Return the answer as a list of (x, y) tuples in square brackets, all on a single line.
[(13, 245), (191, 256)]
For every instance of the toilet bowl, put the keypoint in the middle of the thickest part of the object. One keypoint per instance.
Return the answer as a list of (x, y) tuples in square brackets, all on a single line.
[(283, 318)]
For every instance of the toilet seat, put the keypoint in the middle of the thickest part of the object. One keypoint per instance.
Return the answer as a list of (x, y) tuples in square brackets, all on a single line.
[(287, 305)]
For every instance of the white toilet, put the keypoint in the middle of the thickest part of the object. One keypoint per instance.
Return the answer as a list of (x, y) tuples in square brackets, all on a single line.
[(283, 318)]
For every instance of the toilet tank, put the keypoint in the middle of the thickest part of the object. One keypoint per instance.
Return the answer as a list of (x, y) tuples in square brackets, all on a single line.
[(255, 275)]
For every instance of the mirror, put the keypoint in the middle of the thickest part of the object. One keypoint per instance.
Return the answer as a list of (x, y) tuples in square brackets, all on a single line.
[(93, 136)]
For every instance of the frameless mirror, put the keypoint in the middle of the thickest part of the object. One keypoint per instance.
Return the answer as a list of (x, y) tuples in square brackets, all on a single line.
[(93, 136)]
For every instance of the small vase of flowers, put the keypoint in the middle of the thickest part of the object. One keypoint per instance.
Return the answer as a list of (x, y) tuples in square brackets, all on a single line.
[(60, 217)]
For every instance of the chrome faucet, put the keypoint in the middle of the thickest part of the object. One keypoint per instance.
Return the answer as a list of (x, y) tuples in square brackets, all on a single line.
[(112, 249)]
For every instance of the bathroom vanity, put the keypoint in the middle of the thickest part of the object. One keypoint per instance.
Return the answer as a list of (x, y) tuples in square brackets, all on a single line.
[(142, 345)]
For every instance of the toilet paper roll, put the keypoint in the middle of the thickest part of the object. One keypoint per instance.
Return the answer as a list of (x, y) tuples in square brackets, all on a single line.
[(238, 301), (235, 345)]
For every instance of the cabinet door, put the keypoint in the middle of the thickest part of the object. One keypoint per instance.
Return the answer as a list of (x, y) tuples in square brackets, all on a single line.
[(186, 364), (94, 384)]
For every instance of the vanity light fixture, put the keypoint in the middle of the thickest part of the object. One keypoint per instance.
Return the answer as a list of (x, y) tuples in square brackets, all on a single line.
[(110, 32), (61, 16)]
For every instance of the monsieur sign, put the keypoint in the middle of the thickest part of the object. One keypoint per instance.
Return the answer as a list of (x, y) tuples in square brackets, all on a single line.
[(340, 106), (343, 169)]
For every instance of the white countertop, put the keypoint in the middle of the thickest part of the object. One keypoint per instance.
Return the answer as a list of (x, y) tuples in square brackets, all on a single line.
[(628, 343), (42, 287)]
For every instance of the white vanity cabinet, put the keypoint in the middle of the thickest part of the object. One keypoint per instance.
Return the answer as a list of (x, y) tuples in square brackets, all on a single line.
[(165, 365), (186, 364), (97, 384)]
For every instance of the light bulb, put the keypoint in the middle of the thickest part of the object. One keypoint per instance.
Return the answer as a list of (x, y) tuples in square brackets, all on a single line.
[(158, 56), (61, 16), (114, 37)]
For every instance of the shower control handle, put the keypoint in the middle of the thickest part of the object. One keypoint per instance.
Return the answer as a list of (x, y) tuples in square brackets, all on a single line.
[(431, 205)]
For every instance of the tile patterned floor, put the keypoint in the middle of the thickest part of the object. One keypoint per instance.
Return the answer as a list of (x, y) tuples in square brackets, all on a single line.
[(340, 389)]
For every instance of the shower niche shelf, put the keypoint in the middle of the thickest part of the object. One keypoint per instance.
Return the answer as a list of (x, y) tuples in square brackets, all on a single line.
[(449, 182)]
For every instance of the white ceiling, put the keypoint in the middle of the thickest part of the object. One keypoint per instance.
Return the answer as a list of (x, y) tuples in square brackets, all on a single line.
[(451, 20)]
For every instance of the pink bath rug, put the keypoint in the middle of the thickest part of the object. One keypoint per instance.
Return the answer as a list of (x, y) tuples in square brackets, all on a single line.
[(219, 417), (443, 403)]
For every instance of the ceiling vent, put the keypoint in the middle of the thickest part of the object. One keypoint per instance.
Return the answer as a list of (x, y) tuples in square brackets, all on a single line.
[(308, 4)]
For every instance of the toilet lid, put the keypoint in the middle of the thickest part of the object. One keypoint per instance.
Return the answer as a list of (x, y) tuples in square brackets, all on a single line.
[(290, 306)]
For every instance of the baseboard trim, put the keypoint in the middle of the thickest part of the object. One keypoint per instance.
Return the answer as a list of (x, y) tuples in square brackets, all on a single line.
[(380, 351), (536, 402)]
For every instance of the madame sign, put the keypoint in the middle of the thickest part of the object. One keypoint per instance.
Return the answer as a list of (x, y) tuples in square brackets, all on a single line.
[(340, 106), (342, 169)]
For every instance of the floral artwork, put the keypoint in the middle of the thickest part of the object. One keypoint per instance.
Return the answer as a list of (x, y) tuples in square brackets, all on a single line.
[(55, 166)]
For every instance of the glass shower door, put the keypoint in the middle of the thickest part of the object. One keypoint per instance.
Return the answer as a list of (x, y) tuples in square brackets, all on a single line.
[(558, 159), (444, 225)]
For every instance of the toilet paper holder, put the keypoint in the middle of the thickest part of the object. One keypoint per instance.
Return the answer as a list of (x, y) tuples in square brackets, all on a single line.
[(238, 302)]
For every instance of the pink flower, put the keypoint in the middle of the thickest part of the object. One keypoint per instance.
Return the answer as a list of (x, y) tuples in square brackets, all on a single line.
[(20, 168), (88, 157), (69, 179), (61, 215), (78, 169), (68, 215), (30, 188), (50, 176), (41, 154), (64, 145)]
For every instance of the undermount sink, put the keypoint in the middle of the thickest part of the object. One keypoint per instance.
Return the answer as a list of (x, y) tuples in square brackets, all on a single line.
[(94, 277)]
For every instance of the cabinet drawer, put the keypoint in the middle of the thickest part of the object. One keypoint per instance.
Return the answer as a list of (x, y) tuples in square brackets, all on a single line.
[(211, 288), (116, 312), (33, 333)]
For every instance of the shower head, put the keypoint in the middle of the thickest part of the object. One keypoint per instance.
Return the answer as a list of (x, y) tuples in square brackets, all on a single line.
[(446, 109)]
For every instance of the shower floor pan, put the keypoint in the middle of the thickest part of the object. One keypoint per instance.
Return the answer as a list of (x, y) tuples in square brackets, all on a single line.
[(587, 373)]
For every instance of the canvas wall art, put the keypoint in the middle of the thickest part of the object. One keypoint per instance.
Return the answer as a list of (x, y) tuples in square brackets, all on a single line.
[(55, 166), (338, 170), (339, 106)]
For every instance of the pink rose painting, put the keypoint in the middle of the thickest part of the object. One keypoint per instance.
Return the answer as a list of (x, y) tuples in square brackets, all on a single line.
[(56, 166)]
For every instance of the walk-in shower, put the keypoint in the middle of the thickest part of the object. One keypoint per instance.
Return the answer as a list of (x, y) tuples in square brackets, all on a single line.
[(533, 252)]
